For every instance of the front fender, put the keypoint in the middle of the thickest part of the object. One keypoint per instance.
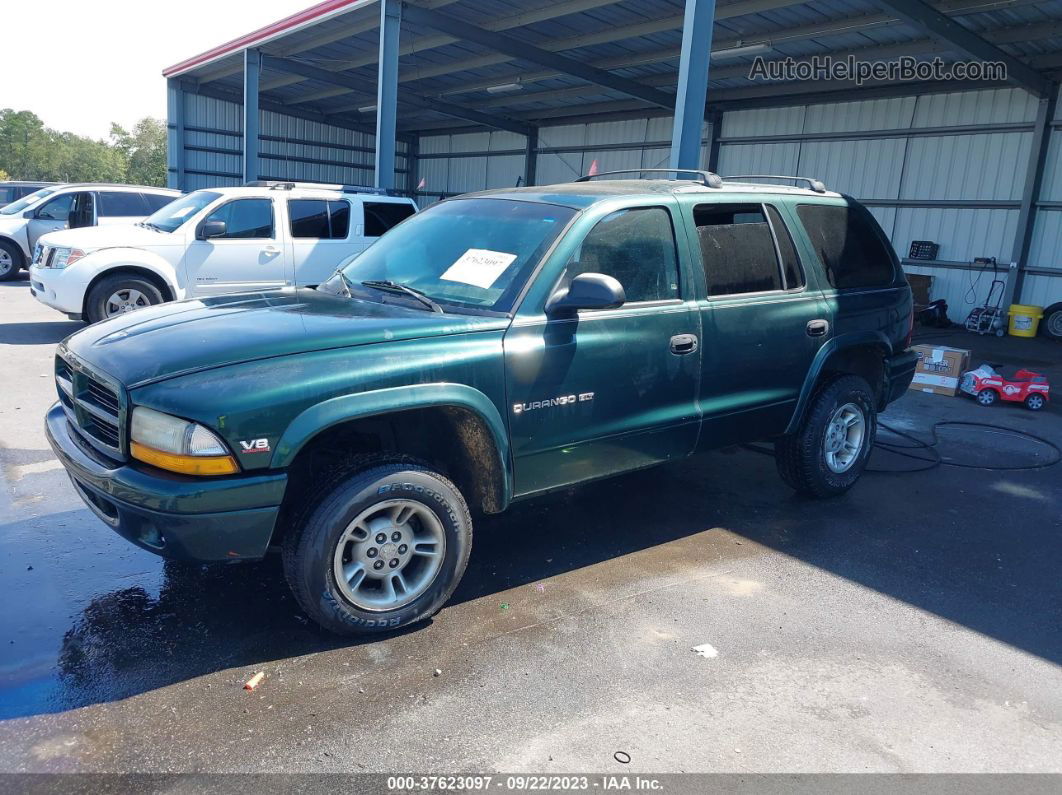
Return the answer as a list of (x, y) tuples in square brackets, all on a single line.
[(832, 347), (387, 401), (109, 259)]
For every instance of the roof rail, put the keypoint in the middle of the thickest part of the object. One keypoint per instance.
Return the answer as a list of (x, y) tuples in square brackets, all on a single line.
[(814, 184), (706, 178), (274, 184)]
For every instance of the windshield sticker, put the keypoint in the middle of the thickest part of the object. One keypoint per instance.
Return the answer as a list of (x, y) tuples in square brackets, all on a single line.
[(183, 211), (479, 267)]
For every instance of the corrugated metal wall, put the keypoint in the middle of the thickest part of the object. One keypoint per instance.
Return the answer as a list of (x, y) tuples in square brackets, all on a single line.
[(920, 179), (289, 148)]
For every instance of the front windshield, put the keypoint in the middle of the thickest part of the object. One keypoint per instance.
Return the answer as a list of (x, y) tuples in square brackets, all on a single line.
[(27, 201), (466, 252), (180, 210)]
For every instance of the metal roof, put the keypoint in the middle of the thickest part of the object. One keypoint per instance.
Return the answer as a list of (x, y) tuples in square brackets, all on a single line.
[(323, 60)]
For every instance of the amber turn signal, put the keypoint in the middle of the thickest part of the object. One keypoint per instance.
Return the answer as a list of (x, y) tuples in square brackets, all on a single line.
[(185, 464)]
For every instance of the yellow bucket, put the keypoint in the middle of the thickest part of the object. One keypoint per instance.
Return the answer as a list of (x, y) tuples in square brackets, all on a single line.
[(1024, 320)]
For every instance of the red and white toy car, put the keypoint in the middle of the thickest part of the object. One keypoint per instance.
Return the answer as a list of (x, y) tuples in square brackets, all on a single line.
[(1024, 386)]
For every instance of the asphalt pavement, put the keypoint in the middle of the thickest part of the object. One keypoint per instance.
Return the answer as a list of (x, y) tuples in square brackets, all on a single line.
[(913, 625)]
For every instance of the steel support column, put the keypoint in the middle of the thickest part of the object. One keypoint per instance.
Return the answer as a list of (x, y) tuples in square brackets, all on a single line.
[(252, 67), (412, 165), (1034, 177), (175, 159), (715, 119), (531, 157), (692, 84), (387, 92)]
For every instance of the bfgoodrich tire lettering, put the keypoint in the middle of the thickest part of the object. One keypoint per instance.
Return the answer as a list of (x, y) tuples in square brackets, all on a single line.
[(802, 457), (310, 547)]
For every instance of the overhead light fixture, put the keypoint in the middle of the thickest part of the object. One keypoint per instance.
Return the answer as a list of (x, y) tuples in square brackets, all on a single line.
[(367, 109), (744, 49), (504, 87)]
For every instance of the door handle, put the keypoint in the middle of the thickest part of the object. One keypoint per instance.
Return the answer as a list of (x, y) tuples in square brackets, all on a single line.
[(271, 250), (684, 343), (818, 328)]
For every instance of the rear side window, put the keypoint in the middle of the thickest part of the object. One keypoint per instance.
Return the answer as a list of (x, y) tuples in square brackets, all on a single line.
[(381, 216), (794, 274), (116, 204), (156, 201), (849, 243), (637, 248), (737, 249), (317, 218), (245, 218)]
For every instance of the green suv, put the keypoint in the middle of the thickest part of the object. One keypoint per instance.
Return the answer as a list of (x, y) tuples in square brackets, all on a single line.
[(497, 346)]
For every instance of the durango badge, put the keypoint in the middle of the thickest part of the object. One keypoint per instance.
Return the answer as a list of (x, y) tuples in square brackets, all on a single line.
[(255, 446), (562, 400)]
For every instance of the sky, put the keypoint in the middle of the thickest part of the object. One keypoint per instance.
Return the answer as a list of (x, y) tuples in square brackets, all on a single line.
[(81, 64)]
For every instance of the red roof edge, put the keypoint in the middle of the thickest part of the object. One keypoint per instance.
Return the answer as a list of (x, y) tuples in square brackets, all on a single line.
[(297, 20)]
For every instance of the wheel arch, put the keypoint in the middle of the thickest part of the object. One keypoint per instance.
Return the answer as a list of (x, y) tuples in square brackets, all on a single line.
[(165, 287), (861, 354), (23, 258), (452, 426)]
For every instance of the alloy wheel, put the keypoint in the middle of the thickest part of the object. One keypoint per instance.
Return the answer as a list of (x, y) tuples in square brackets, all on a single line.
[(125, 301), (389, 555), (844, 438)]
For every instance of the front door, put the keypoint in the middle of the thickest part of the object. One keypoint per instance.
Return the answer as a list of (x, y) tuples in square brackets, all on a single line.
[(609, 390), (248, 256), (763, 323), (51, 216)]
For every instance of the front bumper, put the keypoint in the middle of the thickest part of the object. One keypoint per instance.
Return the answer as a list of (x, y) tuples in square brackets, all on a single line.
[(58, 288), (171, 515), (899, 372)]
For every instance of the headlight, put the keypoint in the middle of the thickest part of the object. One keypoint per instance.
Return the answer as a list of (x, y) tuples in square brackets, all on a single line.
[(64, 257), (178, 445)]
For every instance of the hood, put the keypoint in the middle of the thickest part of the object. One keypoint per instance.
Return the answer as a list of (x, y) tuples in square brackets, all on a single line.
[(93, 238), (179, 338)]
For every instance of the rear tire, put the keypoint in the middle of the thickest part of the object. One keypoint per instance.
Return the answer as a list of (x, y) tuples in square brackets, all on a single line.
[(828, 453), (11, 261), (341, 572), (118, 294), (987, 397), (1035, 402), (1051, 325)]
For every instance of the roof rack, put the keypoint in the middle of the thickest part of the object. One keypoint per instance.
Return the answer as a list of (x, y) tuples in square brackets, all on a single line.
[(274, 184), (706, 178), (814, 184)]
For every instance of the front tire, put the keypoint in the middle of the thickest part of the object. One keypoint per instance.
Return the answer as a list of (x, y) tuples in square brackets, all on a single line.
[(828, 453), (118, 294), (1035, 402), (987, 397), (383, 549), (10, 261), (1051, 325)]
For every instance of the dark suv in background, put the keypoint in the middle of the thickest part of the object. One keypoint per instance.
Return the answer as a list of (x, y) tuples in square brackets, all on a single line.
[(496, 346)]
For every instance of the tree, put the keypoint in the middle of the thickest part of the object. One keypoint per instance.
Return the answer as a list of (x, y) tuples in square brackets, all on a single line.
[(29, 150), (144, 150)]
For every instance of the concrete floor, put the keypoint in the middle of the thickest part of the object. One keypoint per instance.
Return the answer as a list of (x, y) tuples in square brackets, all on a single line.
[(913, 625)]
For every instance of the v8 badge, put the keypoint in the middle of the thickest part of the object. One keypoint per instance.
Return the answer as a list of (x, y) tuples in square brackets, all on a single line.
[(255, 446)]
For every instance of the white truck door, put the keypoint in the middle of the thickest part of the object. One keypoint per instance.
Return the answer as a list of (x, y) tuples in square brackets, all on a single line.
[(239, 247), (323, 233)]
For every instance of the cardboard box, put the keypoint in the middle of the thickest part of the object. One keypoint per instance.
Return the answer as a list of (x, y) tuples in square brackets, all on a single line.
[(939, 369)]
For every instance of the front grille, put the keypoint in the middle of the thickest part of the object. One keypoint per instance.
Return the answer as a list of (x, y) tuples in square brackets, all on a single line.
[(93, 404)]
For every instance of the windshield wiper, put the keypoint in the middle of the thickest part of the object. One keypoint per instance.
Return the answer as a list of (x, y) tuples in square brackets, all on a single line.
[(147, 225), (396, 287)]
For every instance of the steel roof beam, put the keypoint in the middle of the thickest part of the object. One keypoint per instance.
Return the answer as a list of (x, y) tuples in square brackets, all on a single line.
[(357, 85), (536, 55), (940, 27)]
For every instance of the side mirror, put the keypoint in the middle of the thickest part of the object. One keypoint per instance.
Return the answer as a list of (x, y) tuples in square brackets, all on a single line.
[(586, 291), (29, 214), (209, 229)]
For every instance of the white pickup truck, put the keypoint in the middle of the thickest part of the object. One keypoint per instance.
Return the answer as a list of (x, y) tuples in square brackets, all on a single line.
[(210, 242)]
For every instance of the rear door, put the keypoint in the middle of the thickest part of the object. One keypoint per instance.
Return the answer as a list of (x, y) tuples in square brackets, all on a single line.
[(763, 321), (320, 233), (54, 214), (249, 256)]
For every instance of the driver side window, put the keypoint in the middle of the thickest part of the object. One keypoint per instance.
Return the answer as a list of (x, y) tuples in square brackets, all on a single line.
[(58, 209), (637, 248)]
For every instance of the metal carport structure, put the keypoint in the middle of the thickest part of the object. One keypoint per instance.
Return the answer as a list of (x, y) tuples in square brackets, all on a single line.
[(469, 94)]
